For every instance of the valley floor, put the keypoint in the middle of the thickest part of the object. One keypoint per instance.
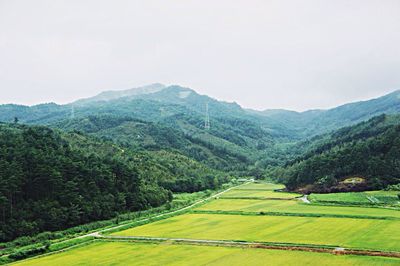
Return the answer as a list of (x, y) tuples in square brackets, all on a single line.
[(250, 225)]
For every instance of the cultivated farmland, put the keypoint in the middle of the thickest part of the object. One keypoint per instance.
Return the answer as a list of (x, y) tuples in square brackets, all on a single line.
[(295, 207), (368, 197), (252, 225), (252, 193), (113, 253), (261, 186), (343, 232)]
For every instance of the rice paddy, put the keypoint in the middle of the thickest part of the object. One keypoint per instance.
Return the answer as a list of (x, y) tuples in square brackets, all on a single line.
[(120, 253), (254, 213), (292, 206)]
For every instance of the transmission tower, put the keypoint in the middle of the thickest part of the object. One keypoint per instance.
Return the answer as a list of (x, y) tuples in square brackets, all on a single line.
[(207, 120)]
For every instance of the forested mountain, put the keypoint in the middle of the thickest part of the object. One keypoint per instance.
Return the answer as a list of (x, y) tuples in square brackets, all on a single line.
[(369, 151), (171, 104), (164, 118), (314, 122), (112, 95), (151, 136), (52, 180), (37, 114), (236, 140)]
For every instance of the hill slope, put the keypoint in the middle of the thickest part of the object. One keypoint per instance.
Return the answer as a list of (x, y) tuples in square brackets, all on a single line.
[(369, 150), (141, 135), (316, 122), (53, 180)]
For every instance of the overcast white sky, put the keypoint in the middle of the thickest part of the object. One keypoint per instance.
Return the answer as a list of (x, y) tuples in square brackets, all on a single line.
[(294, 54)]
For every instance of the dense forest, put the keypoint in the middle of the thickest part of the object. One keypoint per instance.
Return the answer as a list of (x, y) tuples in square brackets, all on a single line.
[(151, 136), (369, 150), (52, 180)]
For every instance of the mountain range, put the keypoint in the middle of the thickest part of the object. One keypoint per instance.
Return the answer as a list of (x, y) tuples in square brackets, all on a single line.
[(172, 117), (157, 102)]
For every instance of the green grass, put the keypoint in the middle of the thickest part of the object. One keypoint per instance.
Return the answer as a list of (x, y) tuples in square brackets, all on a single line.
[(292, 206), (368, 197), (119, 253), (344, 232), (240, 193), (190, 197)]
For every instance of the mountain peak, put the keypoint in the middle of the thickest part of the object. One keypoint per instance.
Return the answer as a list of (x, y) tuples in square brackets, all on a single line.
[(112, 95)]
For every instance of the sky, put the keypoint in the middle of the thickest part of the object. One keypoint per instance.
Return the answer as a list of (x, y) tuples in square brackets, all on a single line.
[(292, 54)]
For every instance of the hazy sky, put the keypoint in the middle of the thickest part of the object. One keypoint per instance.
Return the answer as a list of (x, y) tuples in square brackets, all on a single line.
[(296, 54)]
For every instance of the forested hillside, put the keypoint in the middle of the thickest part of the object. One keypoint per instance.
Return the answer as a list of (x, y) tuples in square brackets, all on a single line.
[(52, 180), (236, 141), (315, 122), (141, 135), (369, 151)]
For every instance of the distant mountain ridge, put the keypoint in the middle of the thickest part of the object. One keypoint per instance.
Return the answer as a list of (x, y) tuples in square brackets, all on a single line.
[(112, 95), (314, 122), (157, 102)]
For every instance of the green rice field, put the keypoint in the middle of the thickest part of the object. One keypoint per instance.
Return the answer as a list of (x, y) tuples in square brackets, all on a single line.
[(343, 232), (368, 197), (241, 193), (357, 227), (261, 186), (292, 206), (120, 253)]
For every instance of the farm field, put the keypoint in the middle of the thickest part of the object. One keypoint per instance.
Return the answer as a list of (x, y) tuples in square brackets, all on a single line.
[(261, 186), (368, 197), (291, 206), (125, 253), (252, 193), (365, 228), (343, 232)]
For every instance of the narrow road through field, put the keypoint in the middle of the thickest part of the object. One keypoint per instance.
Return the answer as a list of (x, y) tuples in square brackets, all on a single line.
[(98, 233)]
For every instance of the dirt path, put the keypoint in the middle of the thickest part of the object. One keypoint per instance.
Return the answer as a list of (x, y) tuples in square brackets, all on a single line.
[(98, 233)]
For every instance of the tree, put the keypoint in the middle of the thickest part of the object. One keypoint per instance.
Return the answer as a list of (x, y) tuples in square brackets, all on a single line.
[(51, 180)]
